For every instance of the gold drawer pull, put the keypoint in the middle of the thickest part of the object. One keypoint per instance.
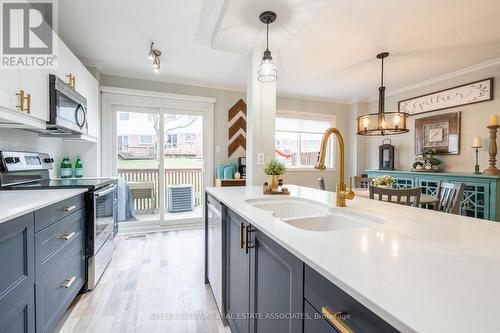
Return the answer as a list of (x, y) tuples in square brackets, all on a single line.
[(28, 103), (69, 209), (242, 231), (69, 236), (68, 282), (248, 245), (71, 80), (21, 100), (335, 319)]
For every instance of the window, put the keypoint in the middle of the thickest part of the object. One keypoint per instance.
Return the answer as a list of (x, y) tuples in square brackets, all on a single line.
[(146, 139), (190, 137), (298, 141), (171, 141), (123, 116), (123, 140)]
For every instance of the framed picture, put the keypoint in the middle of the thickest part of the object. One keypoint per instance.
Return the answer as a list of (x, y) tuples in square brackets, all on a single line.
[(470, 93), (441, 133)]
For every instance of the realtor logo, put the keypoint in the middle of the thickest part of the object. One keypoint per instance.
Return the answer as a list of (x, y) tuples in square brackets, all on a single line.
[(27, 34)]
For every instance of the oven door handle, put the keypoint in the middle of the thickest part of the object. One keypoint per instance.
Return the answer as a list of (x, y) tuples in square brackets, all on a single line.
[(105, 191)]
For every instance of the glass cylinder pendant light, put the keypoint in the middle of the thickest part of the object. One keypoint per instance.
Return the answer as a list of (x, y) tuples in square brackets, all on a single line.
[(382, 123), (267, 69), (154, 54)]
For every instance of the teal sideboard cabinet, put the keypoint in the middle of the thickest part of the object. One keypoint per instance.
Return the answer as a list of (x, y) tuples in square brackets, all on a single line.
[(481, 196)]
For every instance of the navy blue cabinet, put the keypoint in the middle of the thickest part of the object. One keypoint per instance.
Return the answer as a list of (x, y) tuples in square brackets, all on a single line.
[(17, 275), (237, 302), (42, 266), (268, 289), (339, 308), (275, 286), (263, 282)]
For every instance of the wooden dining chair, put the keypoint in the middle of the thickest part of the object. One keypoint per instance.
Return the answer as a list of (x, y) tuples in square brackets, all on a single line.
[(362, 182), (408, 196), (450, 196), (321, 183)]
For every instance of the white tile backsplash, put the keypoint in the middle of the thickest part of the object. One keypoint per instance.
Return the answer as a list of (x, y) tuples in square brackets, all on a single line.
[(12, 139)]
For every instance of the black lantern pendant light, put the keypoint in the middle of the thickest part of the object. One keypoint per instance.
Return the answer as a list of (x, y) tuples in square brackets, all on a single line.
[(382, 123), (267, 69)]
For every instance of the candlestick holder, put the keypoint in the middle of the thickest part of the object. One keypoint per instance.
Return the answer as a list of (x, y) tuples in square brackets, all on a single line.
[(476, 167), (492, 151)]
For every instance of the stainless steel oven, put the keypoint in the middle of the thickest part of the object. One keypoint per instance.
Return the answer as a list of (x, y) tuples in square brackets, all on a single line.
[(67, 109), (100, 239)]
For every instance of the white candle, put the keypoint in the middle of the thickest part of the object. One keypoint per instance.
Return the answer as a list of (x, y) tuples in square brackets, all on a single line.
[(476, 141), (493, 120)]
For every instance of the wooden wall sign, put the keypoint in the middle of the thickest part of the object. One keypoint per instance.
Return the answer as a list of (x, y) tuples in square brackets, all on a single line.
[(471, 93), (237, 117)]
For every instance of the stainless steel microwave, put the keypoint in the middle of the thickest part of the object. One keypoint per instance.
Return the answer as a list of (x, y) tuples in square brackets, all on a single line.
[(67, 109)]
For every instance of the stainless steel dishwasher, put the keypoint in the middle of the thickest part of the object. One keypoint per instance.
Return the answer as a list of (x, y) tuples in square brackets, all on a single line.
[(214, 244)]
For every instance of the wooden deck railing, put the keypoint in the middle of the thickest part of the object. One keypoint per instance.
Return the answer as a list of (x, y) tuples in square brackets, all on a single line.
[(145, 185)]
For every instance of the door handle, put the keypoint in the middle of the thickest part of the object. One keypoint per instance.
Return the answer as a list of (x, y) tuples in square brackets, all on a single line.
[(248, 230), (242, 235), (69, 236), (68, 282)]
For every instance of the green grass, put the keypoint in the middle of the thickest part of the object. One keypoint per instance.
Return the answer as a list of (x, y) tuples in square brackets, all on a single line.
[(170, 163)]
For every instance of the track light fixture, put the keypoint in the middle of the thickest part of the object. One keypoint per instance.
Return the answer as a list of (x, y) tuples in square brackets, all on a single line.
[(154, 54), (267, 71)]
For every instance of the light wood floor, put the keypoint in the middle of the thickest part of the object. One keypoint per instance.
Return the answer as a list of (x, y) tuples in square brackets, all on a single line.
[(152, 281)]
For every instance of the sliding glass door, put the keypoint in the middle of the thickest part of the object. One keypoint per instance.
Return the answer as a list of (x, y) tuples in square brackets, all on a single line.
[(184, 158), (160, 157), (138, 162)]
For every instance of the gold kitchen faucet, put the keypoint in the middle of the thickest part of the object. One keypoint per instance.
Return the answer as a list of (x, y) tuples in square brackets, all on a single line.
[(342, 192)]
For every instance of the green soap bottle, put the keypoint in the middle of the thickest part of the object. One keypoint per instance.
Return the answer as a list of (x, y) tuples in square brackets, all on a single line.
[(65, 173), (69, 168), (78, 168)]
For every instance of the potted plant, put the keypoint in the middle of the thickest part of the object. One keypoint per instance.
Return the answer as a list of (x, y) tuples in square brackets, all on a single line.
[(384, 181), (273, 169), (435, 163)]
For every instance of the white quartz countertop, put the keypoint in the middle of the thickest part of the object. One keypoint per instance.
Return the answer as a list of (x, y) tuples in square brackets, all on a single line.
[(419, 270), (16, 203)]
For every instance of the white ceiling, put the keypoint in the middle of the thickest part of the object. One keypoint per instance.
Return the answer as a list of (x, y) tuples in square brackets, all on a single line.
[(326, 50)]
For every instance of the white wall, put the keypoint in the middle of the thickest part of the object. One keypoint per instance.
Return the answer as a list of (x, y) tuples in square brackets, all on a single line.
[(226, 99), (474, 119), (13, 139)]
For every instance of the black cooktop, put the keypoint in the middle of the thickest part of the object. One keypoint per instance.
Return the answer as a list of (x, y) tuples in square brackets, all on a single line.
[(90, 183)]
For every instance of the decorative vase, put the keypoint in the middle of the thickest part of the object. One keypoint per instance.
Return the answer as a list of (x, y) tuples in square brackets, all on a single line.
[(237, 175), (274, 182)]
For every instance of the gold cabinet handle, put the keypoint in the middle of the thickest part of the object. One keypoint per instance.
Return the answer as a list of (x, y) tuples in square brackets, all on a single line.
[(68, 282), (69, 208), (69, 236), (21, 100), (71, 80), (28, 103), (335, 319), (248, 230), (242, 232)]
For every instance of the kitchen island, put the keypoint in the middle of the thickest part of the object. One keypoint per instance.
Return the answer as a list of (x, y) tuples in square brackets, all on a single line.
[(417, 270)]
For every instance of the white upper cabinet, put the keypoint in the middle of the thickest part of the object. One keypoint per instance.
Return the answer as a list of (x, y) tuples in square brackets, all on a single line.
[(9, 81), (35, 82)]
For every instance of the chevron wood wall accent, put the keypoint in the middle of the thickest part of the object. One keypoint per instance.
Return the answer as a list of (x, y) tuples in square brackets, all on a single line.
[(237, 118)]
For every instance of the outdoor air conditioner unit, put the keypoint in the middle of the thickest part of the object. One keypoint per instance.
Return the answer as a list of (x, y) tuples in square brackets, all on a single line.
[(180, 198)]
